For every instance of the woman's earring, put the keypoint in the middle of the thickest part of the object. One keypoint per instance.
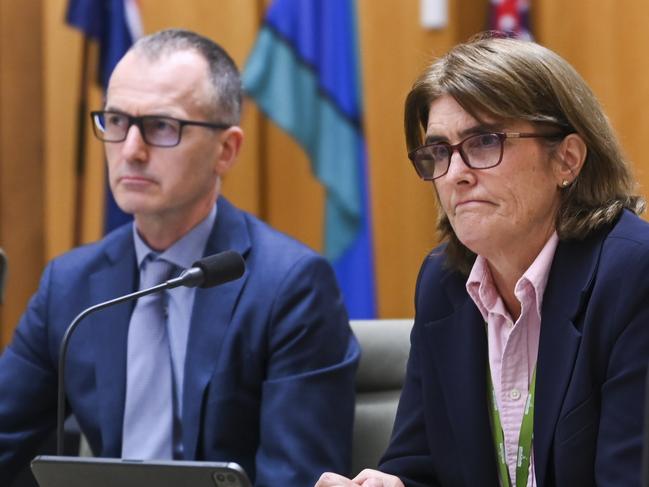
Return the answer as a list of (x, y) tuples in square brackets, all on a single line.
[(565, 183)]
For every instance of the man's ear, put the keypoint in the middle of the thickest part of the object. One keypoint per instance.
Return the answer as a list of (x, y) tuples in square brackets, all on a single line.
[(569, 159), (231, 140)]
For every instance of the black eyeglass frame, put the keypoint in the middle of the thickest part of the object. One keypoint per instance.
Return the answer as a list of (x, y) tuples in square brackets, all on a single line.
[(502, 136), (139, 123)]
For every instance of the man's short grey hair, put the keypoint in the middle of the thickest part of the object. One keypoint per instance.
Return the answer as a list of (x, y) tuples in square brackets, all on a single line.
[(224, 75)]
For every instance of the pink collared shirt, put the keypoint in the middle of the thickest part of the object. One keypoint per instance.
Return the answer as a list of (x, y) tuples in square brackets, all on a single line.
[(513, 347)]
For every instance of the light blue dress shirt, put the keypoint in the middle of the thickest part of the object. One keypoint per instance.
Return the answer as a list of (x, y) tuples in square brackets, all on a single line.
[(183, 254)]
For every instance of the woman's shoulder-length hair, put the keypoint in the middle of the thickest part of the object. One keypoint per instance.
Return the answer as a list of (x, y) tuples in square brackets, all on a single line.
[(509, 79)]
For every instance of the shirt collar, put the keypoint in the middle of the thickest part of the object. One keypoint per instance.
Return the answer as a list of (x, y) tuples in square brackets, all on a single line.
[(482, 290), (185, 251), (537, 274)]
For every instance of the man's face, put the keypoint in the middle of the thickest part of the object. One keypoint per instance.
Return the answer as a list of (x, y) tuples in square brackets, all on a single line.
[(162, 182)]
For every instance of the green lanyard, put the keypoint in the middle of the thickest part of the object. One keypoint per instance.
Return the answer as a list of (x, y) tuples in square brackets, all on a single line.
[(524, 439)]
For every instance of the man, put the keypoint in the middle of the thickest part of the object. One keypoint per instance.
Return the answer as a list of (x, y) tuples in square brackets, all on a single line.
[(258, 371)]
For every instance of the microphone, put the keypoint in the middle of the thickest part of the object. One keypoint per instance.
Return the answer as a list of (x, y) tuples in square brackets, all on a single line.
[(3, 273), (207, 272), (211, 271)]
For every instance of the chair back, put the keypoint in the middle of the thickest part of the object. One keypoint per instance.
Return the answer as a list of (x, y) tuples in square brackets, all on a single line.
[(385, 346)]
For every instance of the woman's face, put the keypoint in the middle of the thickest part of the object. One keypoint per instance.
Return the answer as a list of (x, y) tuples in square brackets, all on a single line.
[(508, 210)]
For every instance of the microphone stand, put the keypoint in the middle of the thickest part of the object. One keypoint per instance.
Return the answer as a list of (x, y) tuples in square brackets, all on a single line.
[(188, 278), (209, 271)]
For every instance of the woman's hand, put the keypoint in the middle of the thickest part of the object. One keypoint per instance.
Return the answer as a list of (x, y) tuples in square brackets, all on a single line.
[(367, 478)]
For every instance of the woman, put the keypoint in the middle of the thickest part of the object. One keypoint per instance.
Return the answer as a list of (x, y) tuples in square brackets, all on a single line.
[(531, 337)]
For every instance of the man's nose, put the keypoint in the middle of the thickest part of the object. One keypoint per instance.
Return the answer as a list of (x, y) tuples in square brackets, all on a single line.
[(134, 147)]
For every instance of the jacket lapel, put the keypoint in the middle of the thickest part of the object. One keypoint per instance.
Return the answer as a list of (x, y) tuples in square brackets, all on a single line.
[(111, 326), (458, 346), (211, 315), (566, 294), (458, 350)]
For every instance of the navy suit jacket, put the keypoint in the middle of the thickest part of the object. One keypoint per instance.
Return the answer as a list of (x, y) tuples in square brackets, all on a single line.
[(269, 374), (592, 362)]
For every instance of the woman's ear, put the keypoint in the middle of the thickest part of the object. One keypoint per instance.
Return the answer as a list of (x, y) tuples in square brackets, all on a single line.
[(569, 159)]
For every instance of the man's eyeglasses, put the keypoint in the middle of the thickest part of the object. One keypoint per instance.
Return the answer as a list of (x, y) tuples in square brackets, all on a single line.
[(158, 131), (480, 151)]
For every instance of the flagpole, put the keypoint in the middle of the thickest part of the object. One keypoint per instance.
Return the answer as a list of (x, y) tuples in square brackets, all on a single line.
[(263, 122), (80, 155)]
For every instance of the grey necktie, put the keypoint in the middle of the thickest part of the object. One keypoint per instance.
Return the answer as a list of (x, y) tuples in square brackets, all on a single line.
[(148, 411)]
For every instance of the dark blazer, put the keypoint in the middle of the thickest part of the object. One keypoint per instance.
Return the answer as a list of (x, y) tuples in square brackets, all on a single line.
[(591, 368), (269, 374)]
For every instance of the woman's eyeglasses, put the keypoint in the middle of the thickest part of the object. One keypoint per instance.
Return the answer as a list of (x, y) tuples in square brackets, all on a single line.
[(480, 151)]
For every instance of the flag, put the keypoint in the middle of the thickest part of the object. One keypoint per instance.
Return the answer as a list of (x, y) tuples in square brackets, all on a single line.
[(114, 24), (304, 73), (511, 17)]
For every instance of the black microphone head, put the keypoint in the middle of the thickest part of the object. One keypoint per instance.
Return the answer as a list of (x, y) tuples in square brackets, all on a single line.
[(220, 268)]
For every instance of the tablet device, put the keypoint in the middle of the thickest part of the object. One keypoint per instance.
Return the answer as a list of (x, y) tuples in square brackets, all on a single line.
[(52, 471)]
